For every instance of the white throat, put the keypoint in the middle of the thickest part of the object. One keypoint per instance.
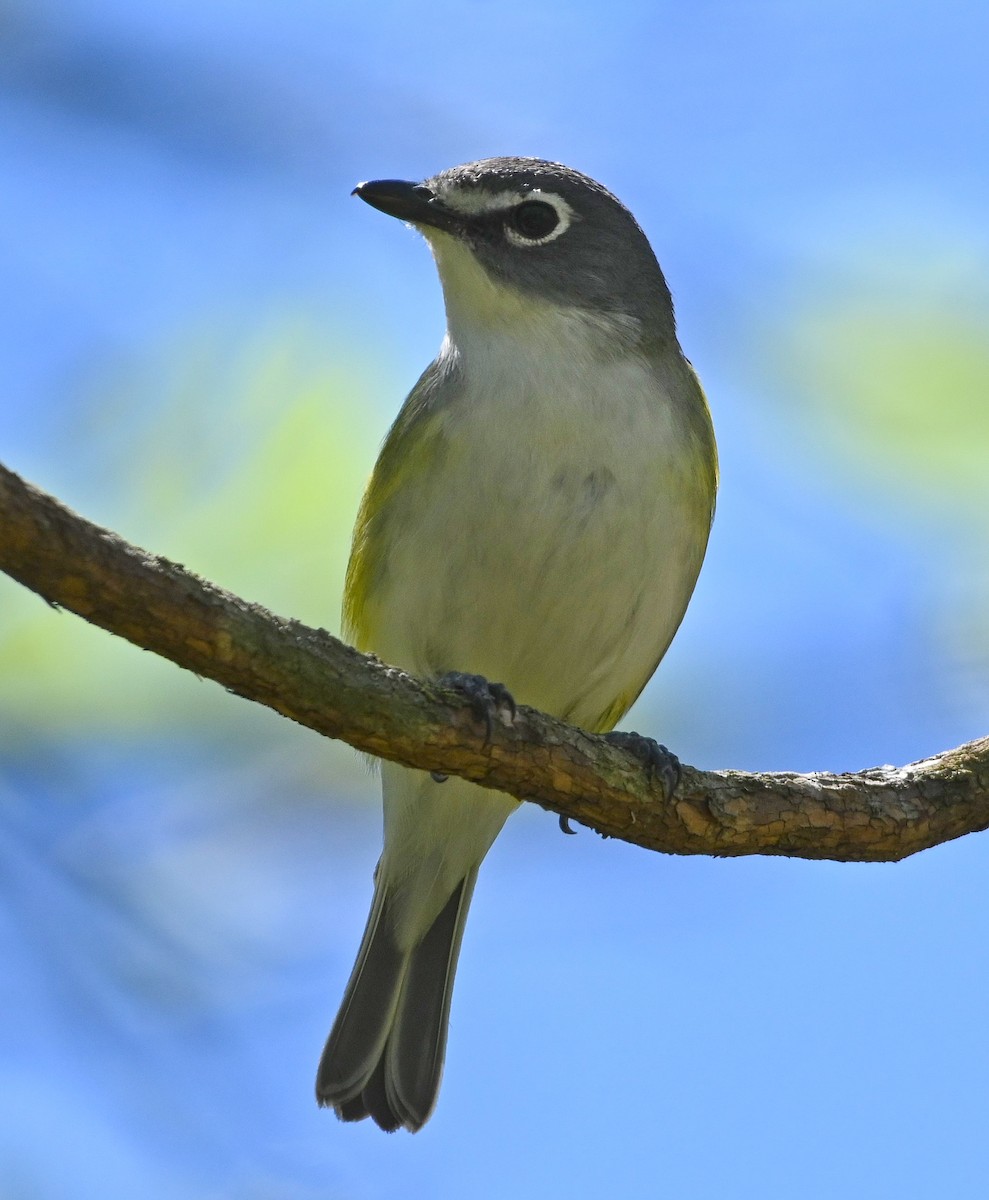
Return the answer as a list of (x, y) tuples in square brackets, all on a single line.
[(485, 317)]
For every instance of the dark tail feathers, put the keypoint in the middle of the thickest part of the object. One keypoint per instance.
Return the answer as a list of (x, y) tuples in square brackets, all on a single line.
[(384, 1056)]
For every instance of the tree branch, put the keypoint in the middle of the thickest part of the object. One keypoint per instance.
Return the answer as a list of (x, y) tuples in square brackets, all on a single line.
[(878, 815)]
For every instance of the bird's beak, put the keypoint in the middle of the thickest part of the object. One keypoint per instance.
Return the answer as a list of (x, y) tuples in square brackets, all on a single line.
[(412, 202)]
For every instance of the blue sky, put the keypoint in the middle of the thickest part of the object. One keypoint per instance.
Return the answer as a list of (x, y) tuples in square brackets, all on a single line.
[(203, 339)]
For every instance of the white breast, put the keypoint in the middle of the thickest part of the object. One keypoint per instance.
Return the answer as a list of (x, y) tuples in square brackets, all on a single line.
[(556, 544)]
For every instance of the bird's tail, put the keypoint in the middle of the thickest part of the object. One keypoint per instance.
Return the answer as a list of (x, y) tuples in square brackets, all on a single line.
[(384, 1056)]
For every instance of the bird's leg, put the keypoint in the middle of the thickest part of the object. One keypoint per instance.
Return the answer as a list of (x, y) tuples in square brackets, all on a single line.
[(487, 700), (659, 763)]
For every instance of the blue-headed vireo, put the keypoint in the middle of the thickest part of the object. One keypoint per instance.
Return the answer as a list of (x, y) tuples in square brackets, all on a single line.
[(538, 516)]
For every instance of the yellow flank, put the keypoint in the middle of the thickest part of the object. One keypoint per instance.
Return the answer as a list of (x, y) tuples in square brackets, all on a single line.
[(707, 448), (394, 469), (613, 714)]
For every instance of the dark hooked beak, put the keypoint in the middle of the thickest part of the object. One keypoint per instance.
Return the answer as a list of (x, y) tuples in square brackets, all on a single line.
[(412, 202)]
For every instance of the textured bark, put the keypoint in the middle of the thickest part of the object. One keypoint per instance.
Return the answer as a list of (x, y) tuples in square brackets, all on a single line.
[(307, 675)]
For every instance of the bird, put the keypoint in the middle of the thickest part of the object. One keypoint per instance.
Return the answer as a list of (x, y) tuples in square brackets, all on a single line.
[(532, 532)]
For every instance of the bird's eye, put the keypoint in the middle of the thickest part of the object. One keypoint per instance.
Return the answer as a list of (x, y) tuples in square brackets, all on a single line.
[(533, 220)]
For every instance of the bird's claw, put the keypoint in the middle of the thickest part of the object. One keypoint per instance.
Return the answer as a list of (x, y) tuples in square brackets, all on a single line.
[(487, 700), (659, 763)]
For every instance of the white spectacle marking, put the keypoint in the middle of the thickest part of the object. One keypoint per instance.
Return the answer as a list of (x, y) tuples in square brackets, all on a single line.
[(476, 202), (564, 214)]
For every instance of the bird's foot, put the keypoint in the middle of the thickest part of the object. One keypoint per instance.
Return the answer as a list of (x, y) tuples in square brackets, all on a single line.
[(659, 763), (488, 701)]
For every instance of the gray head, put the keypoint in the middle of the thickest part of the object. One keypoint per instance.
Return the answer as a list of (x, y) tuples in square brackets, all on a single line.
[(538, 232)]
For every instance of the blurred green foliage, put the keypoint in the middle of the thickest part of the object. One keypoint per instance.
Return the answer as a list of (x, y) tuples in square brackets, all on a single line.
[(243, 462), (890, 389), (902, 395)]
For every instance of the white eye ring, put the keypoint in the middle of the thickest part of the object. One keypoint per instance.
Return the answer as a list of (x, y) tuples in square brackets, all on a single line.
[(564, 213)]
